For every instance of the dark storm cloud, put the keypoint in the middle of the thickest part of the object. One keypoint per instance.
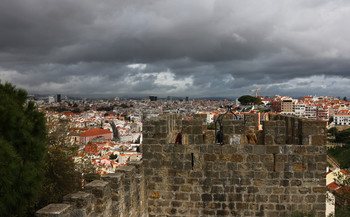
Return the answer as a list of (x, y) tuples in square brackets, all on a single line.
[(199, 47)]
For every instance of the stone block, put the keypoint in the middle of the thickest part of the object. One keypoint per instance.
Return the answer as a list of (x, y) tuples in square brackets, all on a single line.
[(235, 139), (190, 139), (310, 198), (236, 158), (209, 137), (253, 158), (299, 167), (305, 139), (154, 195), (318, 140), (273, 149), (198, 139), (209, 157), (181, 196), (279, 166), (321, 190), (228, 129), (195, 197), (280, 139), (79, 200), (127, 170), (227, 122), (239, 129), (99, 188), (222, 213), (55, 210), (259, 149), (197, 130), (148, 129), (304, 190), (299, 149), (206, 197), (114, 180), (269, 139)]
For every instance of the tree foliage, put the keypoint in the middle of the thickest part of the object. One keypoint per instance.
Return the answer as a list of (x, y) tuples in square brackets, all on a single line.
[(113, 156), (341, 154), (248, 99), (61, 176), (22, 149), (343, 136), (333, 131)]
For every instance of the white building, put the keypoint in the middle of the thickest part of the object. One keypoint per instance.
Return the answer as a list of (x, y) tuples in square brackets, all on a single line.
[(299, 109), (342, 119), (310, 111)]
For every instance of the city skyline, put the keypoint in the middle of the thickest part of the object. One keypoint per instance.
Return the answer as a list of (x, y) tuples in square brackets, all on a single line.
[(197, 49)]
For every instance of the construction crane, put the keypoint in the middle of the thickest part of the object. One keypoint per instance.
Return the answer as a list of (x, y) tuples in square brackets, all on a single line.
[(256, 91)]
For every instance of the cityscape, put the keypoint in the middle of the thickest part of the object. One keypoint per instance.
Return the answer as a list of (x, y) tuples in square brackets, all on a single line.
[(109, 131), (154, 108)]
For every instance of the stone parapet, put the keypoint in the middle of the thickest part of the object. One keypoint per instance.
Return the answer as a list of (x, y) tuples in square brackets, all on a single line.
[(117, 194), (282, 173)]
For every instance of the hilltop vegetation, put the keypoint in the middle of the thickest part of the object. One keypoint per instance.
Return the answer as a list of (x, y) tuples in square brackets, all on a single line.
[(341, 154)]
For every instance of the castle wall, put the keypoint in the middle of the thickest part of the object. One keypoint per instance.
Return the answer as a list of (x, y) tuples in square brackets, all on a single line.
[(282, 173), (118, 194)]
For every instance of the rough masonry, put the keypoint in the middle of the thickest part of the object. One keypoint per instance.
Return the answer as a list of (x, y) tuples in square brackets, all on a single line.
[(282, 173)]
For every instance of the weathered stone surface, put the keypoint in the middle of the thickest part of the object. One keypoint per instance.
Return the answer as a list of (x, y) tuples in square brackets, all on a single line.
[(55, 210), (299, 167), (200, 178), (79, 199)]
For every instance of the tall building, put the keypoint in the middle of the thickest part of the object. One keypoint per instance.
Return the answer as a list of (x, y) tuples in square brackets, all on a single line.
[(153, 98), (58, 98), (287, 106)]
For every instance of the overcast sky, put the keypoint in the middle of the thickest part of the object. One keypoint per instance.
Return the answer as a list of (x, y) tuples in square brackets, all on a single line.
[(193, 48)]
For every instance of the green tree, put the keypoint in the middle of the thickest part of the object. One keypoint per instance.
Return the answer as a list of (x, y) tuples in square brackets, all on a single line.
[(341, 155), (22, 149), (248, 99), (62, 174), (343, 136), (333, 132), (113, 156)]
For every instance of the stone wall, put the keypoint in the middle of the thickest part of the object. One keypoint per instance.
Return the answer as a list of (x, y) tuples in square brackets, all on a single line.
[(284, 172), (118, 194)]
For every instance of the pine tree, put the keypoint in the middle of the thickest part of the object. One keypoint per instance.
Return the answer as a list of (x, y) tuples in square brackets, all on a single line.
[(22, 149)]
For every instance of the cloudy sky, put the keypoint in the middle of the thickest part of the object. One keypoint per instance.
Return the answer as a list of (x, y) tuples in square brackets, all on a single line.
[(190, 48)]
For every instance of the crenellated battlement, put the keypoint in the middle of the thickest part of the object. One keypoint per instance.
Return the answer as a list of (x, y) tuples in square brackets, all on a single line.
[(119, 194), (277, 129), (283, 172)]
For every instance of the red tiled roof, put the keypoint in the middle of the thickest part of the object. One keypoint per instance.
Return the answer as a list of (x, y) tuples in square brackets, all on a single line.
[(95, 132), (343, 190), (343, 171), (333, 185)]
